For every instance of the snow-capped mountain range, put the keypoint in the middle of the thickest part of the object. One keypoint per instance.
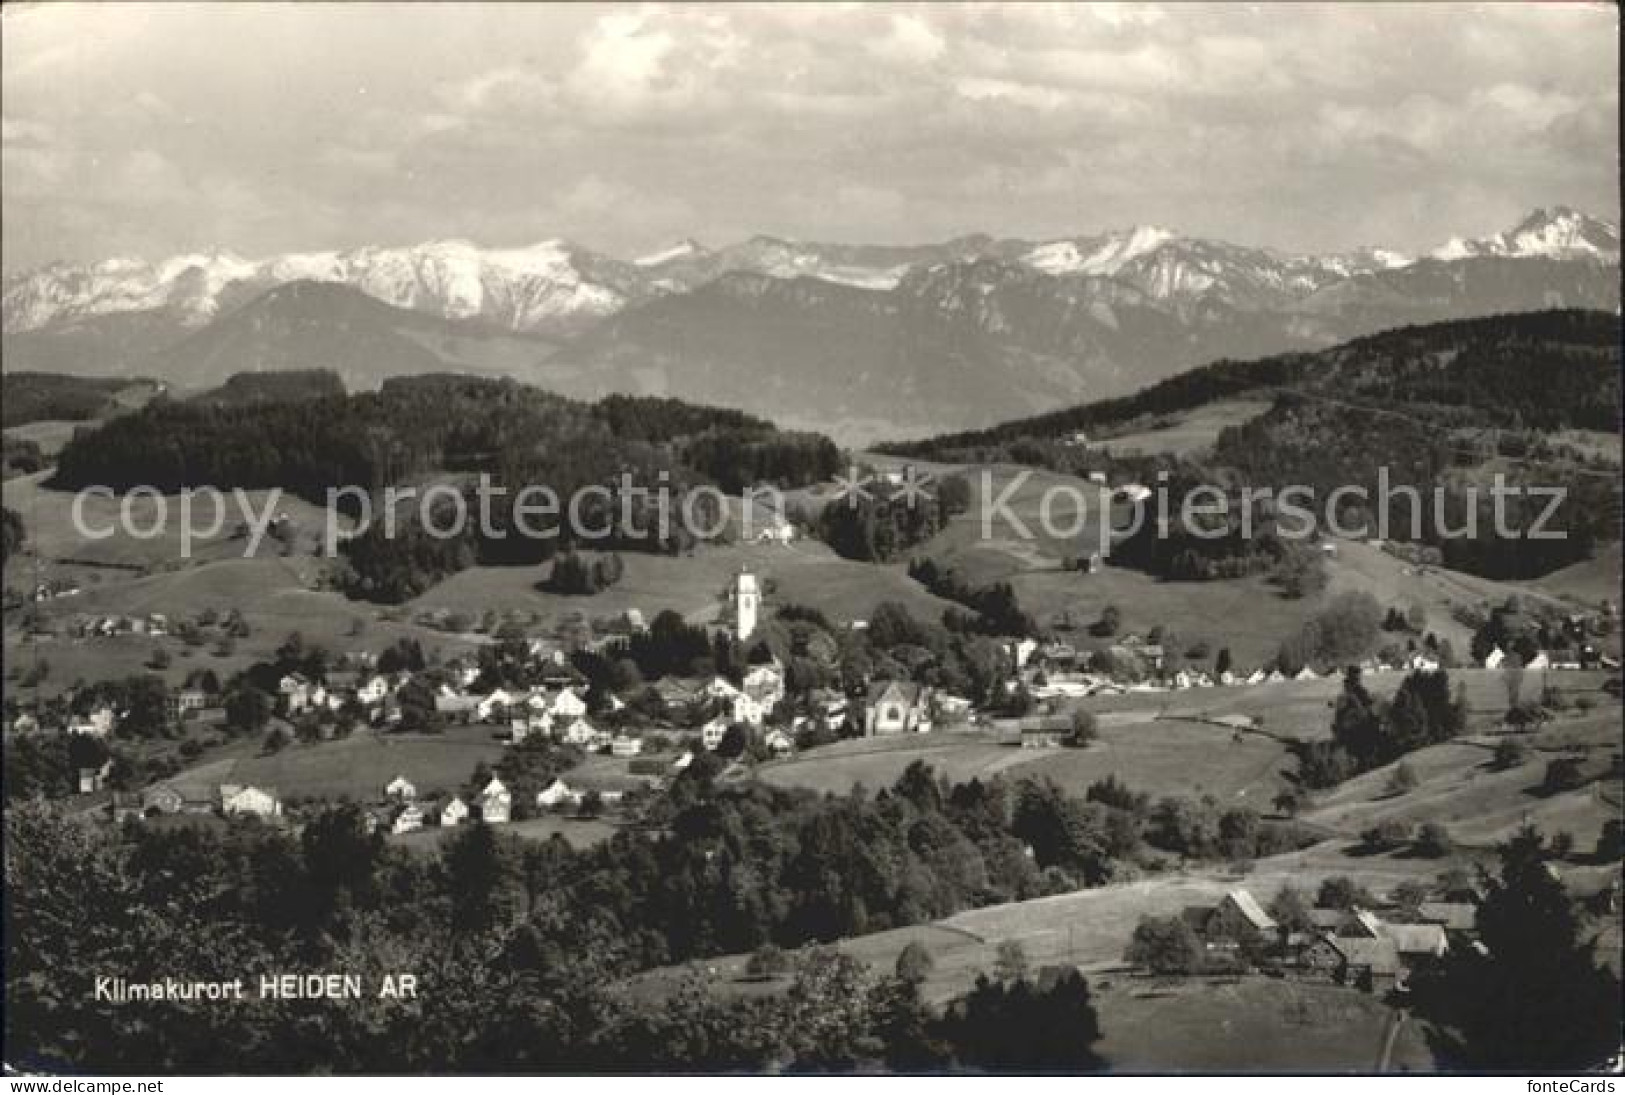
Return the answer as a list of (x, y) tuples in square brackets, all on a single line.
[(556, 288)]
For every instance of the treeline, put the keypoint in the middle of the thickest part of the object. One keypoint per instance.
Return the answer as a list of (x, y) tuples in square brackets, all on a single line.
[(741, 457), (997, 610), (459, 427), (39, 397), (280, 386), (1550, 368), (1424, 458), (1420, 415), (416, 425), (881, 523)]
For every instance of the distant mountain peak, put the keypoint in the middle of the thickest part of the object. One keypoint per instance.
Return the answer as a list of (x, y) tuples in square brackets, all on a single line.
[(1558, 232), (557, 288)]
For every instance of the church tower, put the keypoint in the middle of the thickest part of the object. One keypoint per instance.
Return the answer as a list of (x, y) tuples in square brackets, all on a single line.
[(747, 603)]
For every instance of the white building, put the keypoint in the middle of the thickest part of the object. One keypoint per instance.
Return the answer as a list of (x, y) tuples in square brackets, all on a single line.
[(496, 803), (97, 722), (236, 799), (453, 813), (555, 793), (747, 604), (400, 787)]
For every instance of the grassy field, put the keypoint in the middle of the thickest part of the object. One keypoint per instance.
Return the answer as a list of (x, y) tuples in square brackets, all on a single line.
[(1166, 757), (1252, 1024), (1190, 432), (275, 596), (50, 435), (1161, 742), (1459, 787), (53, 535), (358, 767), (694, 585), (1302, 709), (1588, 583)]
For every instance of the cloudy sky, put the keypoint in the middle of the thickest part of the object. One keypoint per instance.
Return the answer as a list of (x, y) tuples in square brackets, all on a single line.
[(153, 130)]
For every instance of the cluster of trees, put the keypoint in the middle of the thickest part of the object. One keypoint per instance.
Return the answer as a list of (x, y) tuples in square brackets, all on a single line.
[(1367, 733), (1536, 997), (881, 524), (747, 456), (576, 572), (20, 456), (997, 610), (1342, 631)]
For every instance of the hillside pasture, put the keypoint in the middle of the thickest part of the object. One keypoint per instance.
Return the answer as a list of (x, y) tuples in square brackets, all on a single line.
[(1185, 433), (1158, 757), (696, 585), (276, 596), (356, 768)]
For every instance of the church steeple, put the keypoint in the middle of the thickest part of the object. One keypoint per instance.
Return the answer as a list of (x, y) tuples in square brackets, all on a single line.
[(747, 604)]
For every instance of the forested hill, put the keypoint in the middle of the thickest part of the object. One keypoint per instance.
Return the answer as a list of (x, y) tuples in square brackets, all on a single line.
[(38, 397), (1547, 369), (308, 441)]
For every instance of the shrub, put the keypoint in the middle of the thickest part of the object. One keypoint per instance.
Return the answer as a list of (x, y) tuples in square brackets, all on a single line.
[(1433, 840), (915, 964), (769, 961), (1386, 835)]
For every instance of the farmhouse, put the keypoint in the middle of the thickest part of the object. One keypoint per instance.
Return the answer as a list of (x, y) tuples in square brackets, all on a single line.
[(93, 779), (1045, 733), (400, 787), (765, 683), (295, 692), (237, 799), (1240, 919), (625, 746), (175, 798), (580, 732), (97, 722), (409, 819), (453, 813), (567, 705), (555, 793), (1371, 964), (897, 707), (495, 802), (494, 704), (188, 701)]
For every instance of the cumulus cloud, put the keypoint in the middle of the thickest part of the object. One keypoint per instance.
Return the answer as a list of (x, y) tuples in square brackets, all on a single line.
[(295, 126)]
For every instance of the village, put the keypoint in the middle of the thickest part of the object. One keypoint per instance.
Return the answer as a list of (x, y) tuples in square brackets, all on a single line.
[(743, 721)]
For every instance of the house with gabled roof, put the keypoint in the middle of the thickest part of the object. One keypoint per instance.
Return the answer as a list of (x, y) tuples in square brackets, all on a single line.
[(237, 799), (495, 803), (453, 813), (897, 707), (408, 819)]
